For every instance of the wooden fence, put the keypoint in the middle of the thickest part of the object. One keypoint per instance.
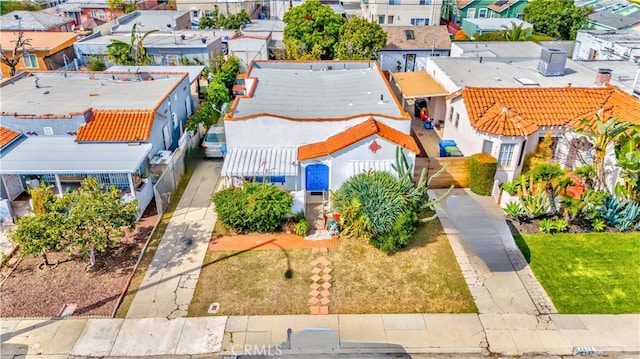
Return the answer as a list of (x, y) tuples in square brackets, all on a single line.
[(456, 173)]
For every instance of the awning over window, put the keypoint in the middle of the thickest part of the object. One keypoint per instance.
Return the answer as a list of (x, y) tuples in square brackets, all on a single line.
[(357, 167), (262, 162), (418, 84)]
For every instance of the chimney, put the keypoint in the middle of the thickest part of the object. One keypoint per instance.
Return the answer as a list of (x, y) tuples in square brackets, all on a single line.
[(603, 76)]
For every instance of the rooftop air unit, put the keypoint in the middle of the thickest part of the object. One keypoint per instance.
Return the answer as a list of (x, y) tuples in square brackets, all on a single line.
[(552, 62)]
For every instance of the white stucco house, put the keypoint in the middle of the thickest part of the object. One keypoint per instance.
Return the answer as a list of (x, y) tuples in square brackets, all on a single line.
[(505, 108), (309, 126), (623, 45)]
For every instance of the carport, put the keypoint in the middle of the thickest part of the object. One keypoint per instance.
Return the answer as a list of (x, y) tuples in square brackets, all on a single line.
[(410, 86)]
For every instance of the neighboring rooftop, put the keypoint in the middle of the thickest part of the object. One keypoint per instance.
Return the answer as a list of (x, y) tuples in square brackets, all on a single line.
[(496, 23), (627, 38), (32, 21), (614, 20), (496, 49), (473, 72), (193, 71), (317, 90), (264, 25), (78, 5), (417, 37), (62, 93), (521, 111), (40, 40), (192, 38), (147, 20), (35, 155), (623, 73), (502, 5)]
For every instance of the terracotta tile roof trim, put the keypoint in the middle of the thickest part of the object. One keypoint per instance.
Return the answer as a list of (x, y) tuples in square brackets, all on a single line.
[(356, 134), (7, 136), (117, 126), (315, 119)]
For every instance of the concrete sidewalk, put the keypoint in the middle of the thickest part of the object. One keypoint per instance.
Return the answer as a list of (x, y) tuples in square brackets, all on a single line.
[(168, 286)]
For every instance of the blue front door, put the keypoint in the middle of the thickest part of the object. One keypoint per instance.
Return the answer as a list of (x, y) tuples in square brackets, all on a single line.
[(317, 178)]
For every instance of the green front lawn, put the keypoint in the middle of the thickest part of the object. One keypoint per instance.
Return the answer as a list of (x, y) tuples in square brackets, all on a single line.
[(587, 273)]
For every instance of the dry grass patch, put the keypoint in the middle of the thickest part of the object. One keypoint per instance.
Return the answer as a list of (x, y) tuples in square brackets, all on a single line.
[(254, 282), (422, 278)]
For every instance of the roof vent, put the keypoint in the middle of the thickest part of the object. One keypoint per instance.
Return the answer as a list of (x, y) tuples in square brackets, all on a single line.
[(204, 40), (47, 131), (410, 35), (183, 36), (552, 62), (16, 16)]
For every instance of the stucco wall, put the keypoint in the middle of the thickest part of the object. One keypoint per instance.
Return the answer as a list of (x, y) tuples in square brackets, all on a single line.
[(389, 59), (275, 132)]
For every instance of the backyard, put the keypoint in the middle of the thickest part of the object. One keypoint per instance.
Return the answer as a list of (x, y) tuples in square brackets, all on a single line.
[(422, 278), (586, 273)]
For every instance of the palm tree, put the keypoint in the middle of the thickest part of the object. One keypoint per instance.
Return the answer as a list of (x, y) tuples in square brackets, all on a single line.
[(554, 178), (516, 32), (132, 53), (602, 134)]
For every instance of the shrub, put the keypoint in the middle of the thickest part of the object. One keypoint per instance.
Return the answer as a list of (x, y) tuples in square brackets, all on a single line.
[(624, 214), (513, 209), (545, 225), (511, 187), (302, 227), (598, 225), (257, 207), (542, 154), (549, 226), (461, 36), (482, 173)]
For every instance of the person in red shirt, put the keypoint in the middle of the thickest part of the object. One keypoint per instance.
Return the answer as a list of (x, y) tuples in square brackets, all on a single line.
[(424, 115)]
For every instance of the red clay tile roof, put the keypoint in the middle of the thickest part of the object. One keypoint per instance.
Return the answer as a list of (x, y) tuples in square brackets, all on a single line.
[(7, 135), (354, 134), (520, 111), (117, 126)]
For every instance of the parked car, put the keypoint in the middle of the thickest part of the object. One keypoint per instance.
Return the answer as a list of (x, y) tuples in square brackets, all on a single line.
[(214, 143)]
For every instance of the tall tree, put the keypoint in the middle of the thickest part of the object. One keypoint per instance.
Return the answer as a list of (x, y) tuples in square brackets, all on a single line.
[(21, 46), (360, 40), (516, 32), (311, 31), (9, 6), (132, 53), (602, 135), (557, 18)]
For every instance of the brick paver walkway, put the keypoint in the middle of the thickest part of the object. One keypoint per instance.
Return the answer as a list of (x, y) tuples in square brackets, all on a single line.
[(267, 241), (321, 277)]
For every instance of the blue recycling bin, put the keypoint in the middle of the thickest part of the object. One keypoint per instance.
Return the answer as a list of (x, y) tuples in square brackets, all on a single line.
[(444, 144)]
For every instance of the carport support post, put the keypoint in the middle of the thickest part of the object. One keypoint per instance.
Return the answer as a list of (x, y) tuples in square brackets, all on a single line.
[(58, 184), (133, 190)]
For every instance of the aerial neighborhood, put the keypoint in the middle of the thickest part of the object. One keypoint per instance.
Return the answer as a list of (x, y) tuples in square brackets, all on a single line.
[(316, 178)]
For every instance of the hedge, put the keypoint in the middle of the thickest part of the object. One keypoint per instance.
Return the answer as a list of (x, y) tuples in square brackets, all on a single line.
[(482, 173)]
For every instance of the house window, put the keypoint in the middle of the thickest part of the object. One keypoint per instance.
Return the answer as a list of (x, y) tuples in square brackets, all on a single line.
[(173, 60), (419, 22), (471, 13), (456, 119), (425, 2), (93, 13), (487, 146), (394, 2), (390, 19), (520, 16), (101, 15), (195, 13), (506, 153), (30, 60), (207, 13), (381, 20), (157, 59), (482, 13)]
